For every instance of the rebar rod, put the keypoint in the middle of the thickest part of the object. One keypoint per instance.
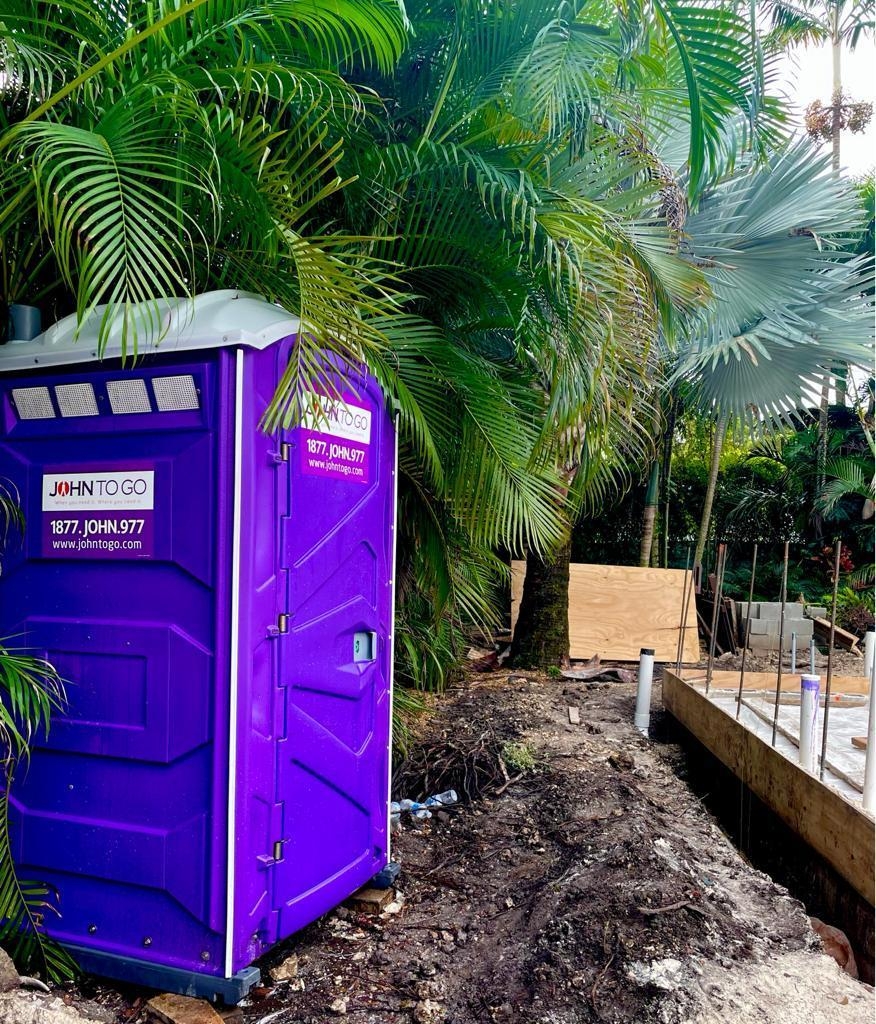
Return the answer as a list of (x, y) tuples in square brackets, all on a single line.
[(783, 598), (716, 602), (685, 601), (836, 568), (747, 634)]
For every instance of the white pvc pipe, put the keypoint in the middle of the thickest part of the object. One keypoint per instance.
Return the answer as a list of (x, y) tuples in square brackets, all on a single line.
[(869, 652), (809, 689), (643, 690), (869, 795)]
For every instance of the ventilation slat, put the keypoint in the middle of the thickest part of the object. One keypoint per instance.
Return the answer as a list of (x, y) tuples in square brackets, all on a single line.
[(33, 403), (174, 394), (126, 396), (76, 400)]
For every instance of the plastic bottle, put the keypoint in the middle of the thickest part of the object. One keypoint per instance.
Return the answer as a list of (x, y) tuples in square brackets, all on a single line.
[(446, 799)]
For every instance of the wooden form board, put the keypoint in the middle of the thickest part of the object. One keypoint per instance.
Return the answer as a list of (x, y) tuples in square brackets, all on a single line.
[(832, 825), (767, 681), (615, 610)]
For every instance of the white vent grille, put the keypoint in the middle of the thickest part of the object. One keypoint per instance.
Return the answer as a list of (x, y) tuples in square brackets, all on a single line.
[(128, 396), (172, 394), (76, 400), (33, 403)]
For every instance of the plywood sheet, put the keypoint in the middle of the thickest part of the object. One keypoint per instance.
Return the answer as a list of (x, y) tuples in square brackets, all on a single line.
[(615, 610), (833, 826)]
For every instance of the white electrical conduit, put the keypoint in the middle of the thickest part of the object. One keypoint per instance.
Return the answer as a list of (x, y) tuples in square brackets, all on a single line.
[(643, 690)]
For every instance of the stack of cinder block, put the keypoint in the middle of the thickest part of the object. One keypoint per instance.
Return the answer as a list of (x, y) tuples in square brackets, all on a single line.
[(765, 616)]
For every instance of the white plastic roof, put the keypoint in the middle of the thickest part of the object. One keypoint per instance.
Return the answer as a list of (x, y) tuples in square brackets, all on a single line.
[(212, 320)]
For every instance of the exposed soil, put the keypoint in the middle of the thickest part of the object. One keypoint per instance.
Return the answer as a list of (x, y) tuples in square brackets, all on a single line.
[(594, 887), (843, 663)]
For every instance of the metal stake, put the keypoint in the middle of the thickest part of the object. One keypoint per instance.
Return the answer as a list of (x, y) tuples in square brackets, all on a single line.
[(716, 603), (684, 603), (793, 652), (836, 567), (812, 655), (747, 631), (783, 599)]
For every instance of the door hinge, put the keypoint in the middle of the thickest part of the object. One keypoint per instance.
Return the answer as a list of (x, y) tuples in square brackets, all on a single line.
[(281, 455), (282, 626), (268, 860)]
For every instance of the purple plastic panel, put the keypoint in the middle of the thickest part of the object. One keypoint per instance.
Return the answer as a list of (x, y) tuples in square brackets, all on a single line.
[(313, 751), (135, 581), (123, 807)]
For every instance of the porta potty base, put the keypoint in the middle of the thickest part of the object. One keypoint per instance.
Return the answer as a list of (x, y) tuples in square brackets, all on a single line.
[(220, 603)]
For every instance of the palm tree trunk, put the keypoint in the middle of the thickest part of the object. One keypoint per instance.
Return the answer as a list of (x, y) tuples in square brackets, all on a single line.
[(649, 515), (823, 425), (541, 635), (836, 46), (668, 438), (717, 445)]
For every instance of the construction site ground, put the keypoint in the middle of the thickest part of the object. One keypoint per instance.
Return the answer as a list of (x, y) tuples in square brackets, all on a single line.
[(579, 880)]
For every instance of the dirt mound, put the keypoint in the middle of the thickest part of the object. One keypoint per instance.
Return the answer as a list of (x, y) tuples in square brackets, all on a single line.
[(580, 881), (594, 888)]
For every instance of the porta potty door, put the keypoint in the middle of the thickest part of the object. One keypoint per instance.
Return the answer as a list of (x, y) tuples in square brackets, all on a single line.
[(335, 656)]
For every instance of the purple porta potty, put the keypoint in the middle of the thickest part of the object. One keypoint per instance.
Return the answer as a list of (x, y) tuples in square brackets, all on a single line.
[(219, 602)]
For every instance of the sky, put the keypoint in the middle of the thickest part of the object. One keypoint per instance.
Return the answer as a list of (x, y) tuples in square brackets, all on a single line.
[(808, 75)]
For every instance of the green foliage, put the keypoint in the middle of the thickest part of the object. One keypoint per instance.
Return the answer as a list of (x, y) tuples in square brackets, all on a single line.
[(786, 304), (30, 690), (518, 757), (169, 148)]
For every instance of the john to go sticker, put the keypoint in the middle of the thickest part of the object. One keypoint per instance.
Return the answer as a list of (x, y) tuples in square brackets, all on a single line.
[(98, 514)]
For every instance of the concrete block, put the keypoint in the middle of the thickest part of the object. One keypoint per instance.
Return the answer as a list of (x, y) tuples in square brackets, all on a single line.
[(769, 610), (762, 643), (795, 611), (764, 627), (816, 611), (770, 642), (802, 627), (743, 606)]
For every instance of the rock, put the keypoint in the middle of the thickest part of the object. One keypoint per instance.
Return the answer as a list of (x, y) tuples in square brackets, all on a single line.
[(837, 945), (287, 970), (666, 974), (92, 1011), (34, 1008), (428, 1012), (173, 1009), (339, 1006), (8, 973)]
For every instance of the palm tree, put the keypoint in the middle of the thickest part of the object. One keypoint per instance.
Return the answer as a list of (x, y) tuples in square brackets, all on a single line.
[(167, 148), (841, 23), (786, 304), (521, 212)]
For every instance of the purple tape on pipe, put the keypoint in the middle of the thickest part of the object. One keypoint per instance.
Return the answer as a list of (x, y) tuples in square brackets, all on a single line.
[(810, 683)]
